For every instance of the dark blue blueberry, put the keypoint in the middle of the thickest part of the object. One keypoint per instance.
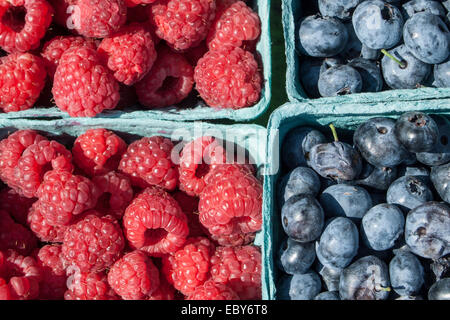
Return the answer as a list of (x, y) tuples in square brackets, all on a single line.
[(421, 172), (406, 273), (442, 74), (322, 36), (409, 192), (376, 141), (377, 178), (365, 279), (295, 257), (440, 290), (330, 276), (343, 200), (378, 24), (427, 37), (440, 176), (369, 53), (441, 152), (412, 7), (328, 295), (440, 267), (382, 226), (339, 80), (338, 244), (370, 74), (416, 131), (330, 62), (427, 230), (309, 75), (341, 9), (301, 180), (299, 286), (302, 218), (297, 145), (354, 46)]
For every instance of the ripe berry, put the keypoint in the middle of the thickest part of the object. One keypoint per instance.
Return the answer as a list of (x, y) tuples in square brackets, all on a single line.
[(53, 282), (211, 290)]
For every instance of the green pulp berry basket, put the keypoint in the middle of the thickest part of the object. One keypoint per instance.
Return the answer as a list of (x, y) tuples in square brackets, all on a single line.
[(192, 109), (292, 13), (293, 115)]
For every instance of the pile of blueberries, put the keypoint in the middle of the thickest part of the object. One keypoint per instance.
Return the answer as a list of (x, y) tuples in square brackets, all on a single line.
[(368, 219), (352, 46)]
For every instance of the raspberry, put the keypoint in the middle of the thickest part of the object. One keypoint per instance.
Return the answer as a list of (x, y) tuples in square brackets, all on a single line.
[(82, 86), (165, 291), (62, 12), (19, 276), (55, 48), (197, 157), (183, 23), (117, 193), (93, 244), (42, 228), (22, 78), (63, 195), (133, 3), (53, 272), (234, 240), (240, 269), (228, 78), (23, 23), (99, 18), (98, 151), (130, 53), (188, 267), (148, 162), (88, 286), (189, 205), (169, 81), (134, 276), (154, 223), (235, 26), (231, 202), (16, 205), (211, 290), (15, 236)]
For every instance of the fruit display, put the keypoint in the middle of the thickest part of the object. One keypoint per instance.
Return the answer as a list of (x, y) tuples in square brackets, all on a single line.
[(353, 46), (90, 56), (364, 214), (103, 216)]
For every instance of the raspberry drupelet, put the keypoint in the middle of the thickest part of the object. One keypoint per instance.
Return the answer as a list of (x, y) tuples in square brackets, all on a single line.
[(88, 286), (42, 228), (211, 290)]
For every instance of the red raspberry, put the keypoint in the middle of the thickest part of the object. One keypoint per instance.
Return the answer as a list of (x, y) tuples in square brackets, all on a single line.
[(88, 286), (197, 158), (240, 269), (117, 193), (53, 271), (82, 86), (231, 202), (16, 205), (154, 223), (15, 236), (133, 3), (22, 78), (55, 48), (42, 228), (63, 10), (165, 291), (236, 25), (228, 78), (134, 276), (211, 290), (234, 240), (189, 205), (129, 53), (169, 82), (19, 276), (98, 151), (148, 162), (189, 267), (93, 244), (23, 23), (183, 23), (63, 195)]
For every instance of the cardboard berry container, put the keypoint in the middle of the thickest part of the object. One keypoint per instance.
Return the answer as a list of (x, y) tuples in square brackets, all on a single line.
[(192, 108), (292, 115), (292, 13)]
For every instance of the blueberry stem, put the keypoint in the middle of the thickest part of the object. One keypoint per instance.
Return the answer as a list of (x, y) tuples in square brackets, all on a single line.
[(382, 288), (333, 130), (387, 54)]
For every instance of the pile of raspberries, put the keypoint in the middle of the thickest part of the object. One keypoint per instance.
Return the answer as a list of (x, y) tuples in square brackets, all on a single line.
[(106, 220), (87, 56)]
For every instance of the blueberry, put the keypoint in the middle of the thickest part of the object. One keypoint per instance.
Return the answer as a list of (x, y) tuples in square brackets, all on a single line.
[(441, 152), (440, 267), (416, 131), (409, 192), (297, 145), (427, 37), (442, 74), (341, 9), (372, 80), (330, 276), (410, 74), (440, 176), (301, 180), (309, 75), (327, 63), (409, 298), (420, 172), (369, 53), (382, 226), (354, 46), (338, 244), (377, 143), (302, 218), (378, 24), (328, 295), (427, 230), (365, 279), (412, 7), (296, 257), (440, 290), (343, 200), (299, 286), (406, 273), (339, 80), (377, 178), (322, 36)]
